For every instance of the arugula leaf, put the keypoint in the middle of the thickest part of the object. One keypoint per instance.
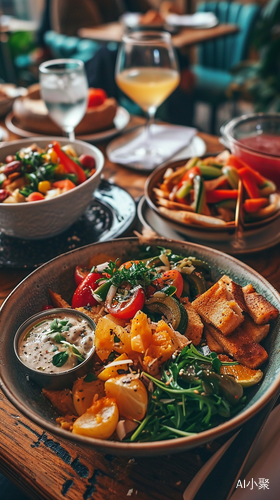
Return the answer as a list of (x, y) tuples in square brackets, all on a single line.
[(190, 397)]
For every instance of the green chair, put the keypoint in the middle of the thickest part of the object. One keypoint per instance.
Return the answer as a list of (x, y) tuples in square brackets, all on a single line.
[(216, 58)]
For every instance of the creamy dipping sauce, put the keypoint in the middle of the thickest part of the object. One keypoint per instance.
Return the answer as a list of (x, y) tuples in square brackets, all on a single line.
[(57, 343)]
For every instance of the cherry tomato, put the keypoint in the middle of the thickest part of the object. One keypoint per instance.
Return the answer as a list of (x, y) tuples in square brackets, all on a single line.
[(36, 196), (87, 161), (173, 277), (80, 274), (83, 294), (47, 307), (96, 97), (126, 309)]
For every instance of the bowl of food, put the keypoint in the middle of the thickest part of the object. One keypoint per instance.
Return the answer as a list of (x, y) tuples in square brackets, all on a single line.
[(187, 345), (55, 347), (202, 196), (46, 185), (254, 138)]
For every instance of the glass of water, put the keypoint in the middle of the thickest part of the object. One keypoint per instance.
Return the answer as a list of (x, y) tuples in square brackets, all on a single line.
[(64, 89)]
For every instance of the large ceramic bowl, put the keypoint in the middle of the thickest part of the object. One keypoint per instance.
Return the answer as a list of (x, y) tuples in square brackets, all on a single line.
[(32, 294), (43, 219), (255, 139)]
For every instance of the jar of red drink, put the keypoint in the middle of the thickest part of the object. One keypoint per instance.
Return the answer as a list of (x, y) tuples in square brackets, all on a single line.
[(255, 138)]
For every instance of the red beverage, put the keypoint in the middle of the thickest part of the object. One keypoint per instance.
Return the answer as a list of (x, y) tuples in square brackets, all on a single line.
[(261, 152)]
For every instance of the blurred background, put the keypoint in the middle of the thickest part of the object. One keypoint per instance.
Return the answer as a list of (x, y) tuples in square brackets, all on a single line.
[(215, 83)]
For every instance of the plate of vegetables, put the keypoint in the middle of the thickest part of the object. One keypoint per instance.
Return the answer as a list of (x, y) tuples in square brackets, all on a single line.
[(182, 353), (204, 193)]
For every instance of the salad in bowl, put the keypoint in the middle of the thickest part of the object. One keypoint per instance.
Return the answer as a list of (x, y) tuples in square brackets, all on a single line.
[(186, 345), (45, 186)]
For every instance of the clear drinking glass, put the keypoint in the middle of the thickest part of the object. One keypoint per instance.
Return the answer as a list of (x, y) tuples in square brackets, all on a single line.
[(64, 89), (147, 72)]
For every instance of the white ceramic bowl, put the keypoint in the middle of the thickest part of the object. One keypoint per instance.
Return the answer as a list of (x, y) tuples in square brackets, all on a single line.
[(43, 219)]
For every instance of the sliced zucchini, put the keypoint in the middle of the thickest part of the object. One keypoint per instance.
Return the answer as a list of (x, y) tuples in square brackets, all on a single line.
[(197, 283), (181, 328), (167, 306), (184, 190), (209, 172)]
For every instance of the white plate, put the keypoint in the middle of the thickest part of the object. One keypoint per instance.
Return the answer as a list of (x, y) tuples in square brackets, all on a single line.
[(259, 239), (196, 147), (198, 20), (120, 121)]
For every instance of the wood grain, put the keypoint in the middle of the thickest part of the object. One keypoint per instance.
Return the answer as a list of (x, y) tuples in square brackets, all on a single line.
[(47, 468)]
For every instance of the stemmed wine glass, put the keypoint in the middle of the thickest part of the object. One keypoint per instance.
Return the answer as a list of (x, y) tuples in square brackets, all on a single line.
[(147, 71), (64, 89)]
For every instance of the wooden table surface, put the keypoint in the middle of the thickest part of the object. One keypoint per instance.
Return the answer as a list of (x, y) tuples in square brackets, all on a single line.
[(113, 32), (45, 467)]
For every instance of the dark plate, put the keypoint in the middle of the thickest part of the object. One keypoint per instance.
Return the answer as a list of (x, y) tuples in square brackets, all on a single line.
[(110, 215)]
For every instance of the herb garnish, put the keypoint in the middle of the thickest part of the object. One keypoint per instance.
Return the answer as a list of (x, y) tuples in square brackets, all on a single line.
[(57, 327), (136, 274), (60, 358)]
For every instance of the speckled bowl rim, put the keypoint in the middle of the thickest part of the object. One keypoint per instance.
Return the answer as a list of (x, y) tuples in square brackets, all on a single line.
[(158, 447)]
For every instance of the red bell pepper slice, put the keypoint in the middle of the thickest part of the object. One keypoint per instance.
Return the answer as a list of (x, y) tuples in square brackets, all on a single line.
[(80, 274), (255, 204), (217, 195), (70, 166), (233, 161), (83, 295), (190, 174), (249, 182)]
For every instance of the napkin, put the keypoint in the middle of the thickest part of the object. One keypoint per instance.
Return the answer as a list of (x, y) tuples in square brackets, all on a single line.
[(164, 142), (260, 479), (198, 20)]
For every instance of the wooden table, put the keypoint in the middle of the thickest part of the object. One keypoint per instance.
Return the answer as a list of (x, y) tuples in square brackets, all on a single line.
[(45, 467), (113, 32)]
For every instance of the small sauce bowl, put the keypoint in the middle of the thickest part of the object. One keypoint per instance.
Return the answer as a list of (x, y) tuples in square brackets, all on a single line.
[(57, 378)]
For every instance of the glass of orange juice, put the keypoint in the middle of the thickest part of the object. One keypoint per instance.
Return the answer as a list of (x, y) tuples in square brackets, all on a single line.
[(147, 72)]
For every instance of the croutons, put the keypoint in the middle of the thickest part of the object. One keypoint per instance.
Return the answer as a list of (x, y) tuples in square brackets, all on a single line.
[(214, 307), (195, 326), (260, 310)]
